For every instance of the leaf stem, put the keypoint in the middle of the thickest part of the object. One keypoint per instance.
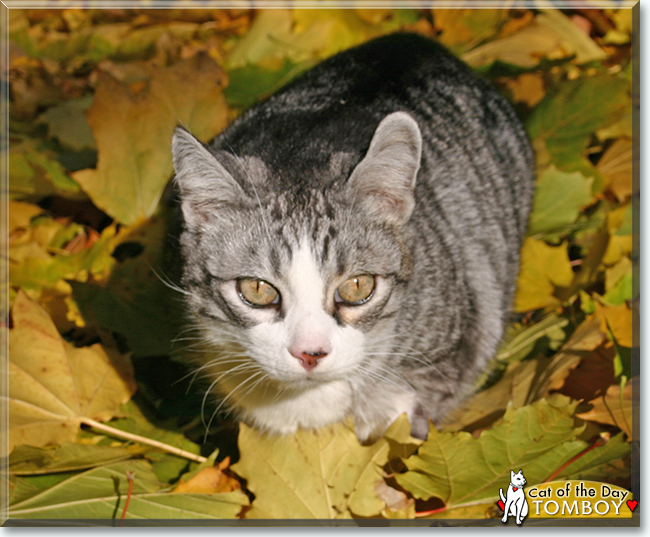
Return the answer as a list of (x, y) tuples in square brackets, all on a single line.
[(429, 513), (130, 478), (600, 442), (143, 440)]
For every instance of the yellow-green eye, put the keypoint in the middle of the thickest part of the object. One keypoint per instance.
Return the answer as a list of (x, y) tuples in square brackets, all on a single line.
[(257, 293), (356, 290)]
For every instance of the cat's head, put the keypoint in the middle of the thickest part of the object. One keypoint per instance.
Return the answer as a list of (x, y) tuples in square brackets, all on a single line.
[(303, 281), (517, 479)]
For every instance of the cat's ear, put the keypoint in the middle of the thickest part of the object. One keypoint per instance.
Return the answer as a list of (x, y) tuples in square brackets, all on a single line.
[(384, 181), (204, 183), (512, 475)]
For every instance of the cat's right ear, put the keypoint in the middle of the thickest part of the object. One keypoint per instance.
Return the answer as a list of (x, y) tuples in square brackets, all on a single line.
[(384, 181), (204, 183)]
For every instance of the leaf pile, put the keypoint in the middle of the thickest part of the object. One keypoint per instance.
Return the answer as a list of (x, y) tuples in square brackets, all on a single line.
[(95, 96)]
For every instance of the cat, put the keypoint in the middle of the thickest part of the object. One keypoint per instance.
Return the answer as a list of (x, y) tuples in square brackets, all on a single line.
[(515, 503), (351, 244)]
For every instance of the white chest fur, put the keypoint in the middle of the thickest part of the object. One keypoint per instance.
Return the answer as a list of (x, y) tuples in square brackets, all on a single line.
[(325, 403)]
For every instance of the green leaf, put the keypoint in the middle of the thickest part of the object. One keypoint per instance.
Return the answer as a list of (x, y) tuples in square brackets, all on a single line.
[(34, 174), (595, 464), (102, 492), (462, 470), (311, 474), (518, 345), (67, 122), (252, 83), (30, 460), (559, 197), (565, 118)]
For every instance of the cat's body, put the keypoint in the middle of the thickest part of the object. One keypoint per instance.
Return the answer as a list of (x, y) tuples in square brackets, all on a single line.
[(308, 191)]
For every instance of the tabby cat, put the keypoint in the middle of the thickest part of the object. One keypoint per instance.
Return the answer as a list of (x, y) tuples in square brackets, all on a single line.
[(351, 244)]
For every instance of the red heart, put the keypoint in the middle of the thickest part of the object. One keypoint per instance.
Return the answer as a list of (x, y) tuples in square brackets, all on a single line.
[(632, 504), (500, 504), (514, 488)]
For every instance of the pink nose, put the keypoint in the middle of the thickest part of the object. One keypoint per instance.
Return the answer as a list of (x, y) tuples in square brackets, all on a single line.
[(308, 359)]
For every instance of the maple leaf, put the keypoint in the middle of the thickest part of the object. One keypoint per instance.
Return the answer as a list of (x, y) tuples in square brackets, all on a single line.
[(134, 132), (311, 474), (462, 470), (54, 385)]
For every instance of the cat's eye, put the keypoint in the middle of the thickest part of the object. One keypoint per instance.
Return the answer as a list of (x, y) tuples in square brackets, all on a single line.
[(257, 293), (355, 291)]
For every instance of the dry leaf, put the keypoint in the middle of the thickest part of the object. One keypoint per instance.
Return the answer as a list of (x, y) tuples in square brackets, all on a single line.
[(525, 382), (616, 166), (527, 88), (210, 480), (311, 474), (53, 385), (134, 132), (618, 319), (613, 407), (543, 269)]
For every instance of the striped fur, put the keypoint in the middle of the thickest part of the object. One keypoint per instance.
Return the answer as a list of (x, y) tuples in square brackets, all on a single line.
[(295, 187)]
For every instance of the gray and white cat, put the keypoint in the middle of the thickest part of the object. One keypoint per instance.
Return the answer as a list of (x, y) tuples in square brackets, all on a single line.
[(351, 245)]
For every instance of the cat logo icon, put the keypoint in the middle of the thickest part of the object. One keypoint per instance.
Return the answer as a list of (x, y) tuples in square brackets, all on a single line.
[(514, 503)]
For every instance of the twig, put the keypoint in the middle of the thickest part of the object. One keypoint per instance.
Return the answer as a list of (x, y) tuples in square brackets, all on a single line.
[(143, 440)]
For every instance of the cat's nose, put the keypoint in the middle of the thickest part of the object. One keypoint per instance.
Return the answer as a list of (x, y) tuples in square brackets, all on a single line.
[(308, 359)]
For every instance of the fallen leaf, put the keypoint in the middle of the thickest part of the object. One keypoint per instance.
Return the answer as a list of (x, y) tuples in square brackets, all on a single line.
[(134, 132), (209, 480), (543, 268), (67, 122), (462, 470), (34, 174), (527, 88), (525, 382), (559, 197), (53, 385), (311, 474), (133, 301), (568, 115), (600, 464), (68, 457), (618, 319), (102, 492), (614, 407), (398, 504), (20, 214), (462, 29), (616, 166), (551, 35)]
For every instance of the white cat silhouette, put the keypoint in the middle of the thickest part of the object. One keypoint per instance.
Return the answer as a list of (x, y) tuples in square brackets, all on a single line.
[(515, 503)]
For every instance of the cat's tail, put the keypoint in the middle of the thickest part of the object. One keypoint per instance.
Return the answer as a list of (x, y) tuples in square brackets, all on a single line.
[(503, 499)]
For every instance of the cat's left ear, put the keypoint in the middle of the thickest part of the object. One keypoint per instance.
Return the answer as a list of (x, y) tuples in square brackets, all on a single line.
[(384, 181)]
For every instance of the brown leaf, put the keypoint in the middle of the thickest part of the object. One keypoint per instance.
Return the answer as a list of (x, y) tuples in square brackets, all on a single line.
[(525, 382), (616, 166), (614, 408), (210, 480), (527, 88), (53, 385)]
